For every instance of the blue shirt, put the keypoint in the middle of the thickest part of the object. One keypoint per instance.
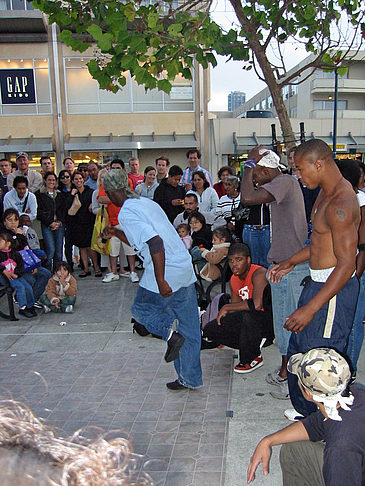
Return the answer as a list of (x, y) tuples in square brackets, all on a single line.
[(187, 177), (93, 184), (142, 219)]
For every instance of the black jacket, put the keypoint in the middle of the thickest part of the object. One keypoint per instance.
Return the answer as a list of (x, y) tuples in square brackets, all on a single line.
[(203, 237), (50, 209), (164, 194)]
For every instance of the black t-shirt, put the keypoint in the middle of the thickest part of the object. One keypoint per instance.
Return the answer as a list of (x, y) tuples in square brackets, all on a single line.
[(344, 454)]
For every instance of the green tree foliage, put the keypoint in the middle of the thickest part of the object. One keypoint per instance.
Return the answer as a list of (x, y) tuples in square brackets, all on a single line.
[(157, 41)]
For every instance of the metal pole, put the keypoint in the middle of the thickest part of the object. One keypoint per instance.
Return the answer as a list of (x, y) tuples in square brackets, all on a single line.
[(335, 116)]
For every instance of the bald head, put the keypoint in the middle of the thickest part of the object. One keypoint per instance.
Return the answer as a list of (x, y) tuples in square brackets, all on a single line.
[(313, 150)]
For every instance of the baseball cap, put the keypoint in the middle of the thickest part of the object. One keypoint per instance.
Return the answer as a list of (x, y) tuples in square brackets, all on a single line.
[(271, 160), (22, 154), (322, 371)]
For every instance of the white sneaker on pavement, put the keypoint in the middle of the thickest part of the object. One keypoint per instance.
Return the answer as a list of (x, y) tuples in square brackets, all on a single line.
[(125, 274), (293, 415), (134, 277), (69, 308), (46, 309), (274, 378), (110, 277)]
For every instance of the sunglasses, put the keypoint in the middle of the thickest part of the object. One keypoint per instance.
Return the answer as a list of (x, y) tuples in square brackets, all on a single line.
[(65, 177)]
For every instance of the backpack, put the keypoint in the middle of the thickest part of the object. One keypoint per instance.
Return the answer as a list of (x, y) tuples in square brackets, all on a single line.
[(213, 308)]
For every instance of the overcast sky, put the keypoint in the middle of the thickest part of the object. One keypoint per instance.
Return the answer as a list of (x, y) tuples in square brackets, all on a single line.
[(229, 76)]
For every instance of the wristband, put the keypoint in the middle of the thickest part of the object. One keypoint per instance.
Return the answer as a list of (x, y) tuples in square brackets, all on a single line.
[(250, 164)]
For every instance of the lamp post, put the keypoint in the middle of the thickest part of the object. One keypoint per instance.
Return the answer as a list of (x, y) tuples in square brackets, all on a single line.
[(334, 141)]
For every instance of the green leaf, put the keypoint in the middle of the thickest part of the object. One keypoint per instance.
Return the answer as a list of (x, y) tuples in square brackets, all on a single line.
[(129, 12), (174, 29), (152, 19), (164, 85)]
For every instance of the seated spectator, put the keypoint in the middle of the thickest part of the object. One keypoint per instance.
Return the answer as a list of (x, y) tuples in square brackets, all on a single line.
[(21, 199), (242, 323), (184, 233), (148, 187), (170, 195), (51, 213), (39, 277), (60, 294), (228, 205), (221, 239), (201, 236), (191, 205), (207, 197), (223, 173), (12, 267)]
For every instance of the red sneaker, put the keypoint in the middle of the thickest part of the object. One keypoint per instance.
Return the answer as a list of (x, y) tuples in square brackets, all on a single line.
[(248, 367)]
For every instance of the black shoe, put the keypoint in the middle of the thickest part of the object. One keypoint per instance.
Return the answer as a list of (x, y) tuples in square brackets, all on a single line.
[(33, 311), (38, 305), (139, 329), (176, 385), (268, 342), (26, 313), (173, 346)]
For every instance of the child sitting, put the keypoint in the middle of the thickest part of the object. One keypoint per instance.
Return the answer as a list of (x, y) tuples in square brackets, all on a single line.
[(60, 294), (221, 239), (184, 233), (11, 267)]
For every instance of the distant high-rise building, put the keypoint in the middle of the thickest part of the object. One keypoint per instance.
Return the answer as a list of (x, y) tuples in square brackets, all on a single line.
[(235, 99)]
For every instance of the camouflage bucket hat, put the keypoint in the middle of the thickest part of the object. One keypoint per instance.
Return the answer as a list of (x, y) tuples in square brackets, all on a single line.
[(116, 180), (322, 371)]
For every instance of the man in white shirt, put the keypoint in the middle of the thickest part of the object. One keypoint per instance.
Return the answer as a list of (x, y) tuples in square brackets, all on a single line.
[(21, 199)]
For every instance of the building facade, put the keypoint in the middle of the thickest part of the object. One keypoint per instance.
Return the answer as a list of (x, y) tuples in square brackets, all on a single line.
[(51, 105), (235, 99)]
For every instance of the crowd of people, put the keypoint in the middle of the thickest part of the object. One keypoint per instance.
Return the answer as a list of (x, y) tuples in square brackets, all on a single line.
[(294, 241)]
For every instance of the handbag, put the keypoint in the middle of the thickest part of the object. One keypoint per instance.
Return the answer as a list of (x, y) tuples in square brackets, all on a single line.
[(75, 206), (98, 243), (30, 260)]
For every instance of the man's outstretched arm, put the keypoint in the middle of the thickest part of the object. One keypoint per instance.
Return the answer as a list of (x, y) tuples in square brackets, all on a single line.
[(292, 433), (157, 251)]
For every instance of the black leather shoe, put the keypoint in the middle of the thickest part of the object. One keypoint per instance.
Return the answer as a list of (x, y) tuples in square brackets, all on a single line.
[(33, 311), (176, 385), (173, 346), (139, 328)]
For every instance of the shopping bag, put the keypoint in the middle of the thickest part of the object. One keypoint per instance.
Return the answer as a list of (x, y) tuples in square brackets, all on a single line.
[(98, 243), (30, 260)]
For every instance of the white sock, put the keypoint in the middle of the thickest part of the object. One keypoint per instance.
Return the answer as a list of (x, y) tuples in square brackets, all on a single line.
[(171, 333)]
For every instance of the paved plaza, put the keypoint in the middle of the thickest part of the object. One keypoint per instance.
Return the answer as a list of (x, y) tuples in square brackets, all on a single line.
[(93, 372)]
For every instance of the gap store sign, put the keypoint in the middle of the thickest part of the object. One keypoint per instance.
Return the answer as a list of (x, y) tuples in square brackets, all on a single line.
[(17, 86)]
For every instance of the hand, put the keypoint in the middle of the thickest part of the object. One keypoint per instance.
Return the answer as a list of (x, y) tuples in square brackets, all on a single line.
[(73, 192), (299, 319), (90, 208), (222, 313), (19, 231), (56, 303), (27, 211), (9, 275), (230, 226), (188, 187), (262, 454), (164, 288), (255, 153), (277, 272), (177, 202), (202, 249), (34, 271), (278, 147), (54, 226), (108, 232)]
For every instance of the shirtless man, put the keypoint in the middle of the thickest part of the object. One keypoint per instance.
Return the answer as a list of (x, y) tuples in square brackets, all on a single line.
[(327, 303)]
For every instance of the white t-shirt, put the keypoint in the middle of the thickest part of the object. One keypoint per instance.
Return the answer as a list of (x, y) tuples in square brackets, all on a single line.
[(141, 220), (361, 198)]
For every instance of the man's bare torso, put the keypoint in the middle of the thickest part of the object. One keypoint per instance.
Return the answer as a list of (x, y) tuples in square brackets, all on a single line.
[(342, 201)]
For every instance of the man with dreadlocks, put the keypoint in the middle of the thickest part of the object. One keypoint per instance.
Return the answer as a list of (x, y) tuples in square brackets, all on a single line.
[(166, 302)]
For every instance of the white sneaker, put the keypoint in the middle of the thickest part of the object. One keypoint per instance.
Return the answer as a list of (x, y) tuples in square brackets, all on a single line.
[(69, 308), (293, 415), (134, 277), (281, 391), (46, 309), (109, 277), (125, 274)]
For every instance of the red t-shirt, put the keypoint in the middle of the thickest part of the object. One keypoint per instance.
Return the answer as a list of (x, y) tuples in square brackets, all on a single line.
[(244, 288), (112, 209), (135, 179)]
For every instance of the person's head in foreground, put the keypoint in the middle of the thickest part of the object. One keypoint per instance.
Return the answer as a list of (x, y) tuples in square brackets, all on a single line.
[(116, 185), (323, 376), (267, 168), (239, 259), (31, 454)]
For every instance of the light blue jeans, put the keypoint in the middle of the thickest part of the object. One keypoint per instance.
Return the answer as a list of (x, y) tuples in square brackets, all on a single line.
[(285, 296), (158, 313), (357, 332), (258, 239)]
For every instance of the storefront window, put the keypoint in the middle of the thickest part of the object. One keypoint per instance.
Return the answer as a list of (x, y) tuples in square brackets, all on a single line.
[(25, 87)]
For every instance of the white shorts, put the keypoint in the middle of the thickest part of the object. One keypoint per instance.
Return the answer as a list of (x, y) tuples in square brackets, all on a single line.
[(115, 245)]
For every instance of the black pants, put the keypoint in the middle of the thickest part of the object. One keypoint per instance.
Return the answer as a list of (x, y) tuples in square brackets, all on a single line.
[(242, 330)]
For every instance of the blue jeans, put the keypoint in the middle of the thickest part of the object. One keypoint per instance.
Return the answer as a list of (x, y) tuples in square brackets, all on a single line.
[(327, 329), (158, 313), (357, 332), (53, 242), (23, 291), (258, 239), (38, 281), (285, 296)]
